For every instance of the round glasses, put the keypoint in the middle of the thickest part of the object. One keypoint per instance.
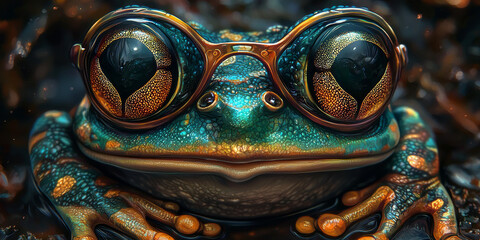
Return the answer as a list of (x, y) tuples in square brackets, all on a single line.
[(143, 67)]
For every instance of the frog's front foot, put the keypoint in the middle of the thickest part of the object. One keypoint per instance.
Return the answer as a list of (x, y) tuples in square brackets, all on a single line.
[(397, 200), (84, 197), (412, 187), (127, 212)]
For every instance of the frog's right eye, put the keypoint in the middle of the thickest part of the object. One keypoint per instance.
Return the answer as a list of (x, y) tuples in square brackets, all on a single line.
[(350, 72), (133, 72)]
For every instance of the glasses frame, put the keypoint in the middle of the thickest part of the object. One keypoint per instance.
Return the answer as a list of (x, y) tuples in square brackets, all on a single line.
[(214, 53)]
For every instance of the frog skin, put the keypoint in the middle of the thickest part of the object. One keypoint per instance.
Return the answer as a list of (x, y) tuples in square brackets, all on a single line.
[(245, 157)]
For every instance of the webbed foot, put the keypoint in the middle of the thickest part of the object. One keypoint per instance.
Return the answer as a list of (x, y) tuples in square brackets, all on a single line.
[(397, 201), (130, 217), (84, 197)]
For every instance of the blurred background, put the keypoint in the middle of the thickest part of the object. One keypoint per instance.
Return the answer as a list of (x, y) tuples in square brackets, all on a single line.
[(442, 79)]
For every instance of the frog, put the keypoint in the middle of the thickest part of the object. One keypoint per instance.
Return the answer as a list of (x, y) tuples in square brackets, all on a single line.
[(238, 125)]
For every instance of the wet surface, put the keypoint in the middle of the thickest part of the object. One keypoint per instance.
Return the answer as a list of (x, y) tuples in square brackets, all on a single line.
[(442, 81)]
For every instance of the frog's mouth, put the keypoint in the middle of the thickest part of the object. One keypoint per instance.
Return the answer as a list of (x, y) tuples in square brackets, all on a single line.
[(234, 171)]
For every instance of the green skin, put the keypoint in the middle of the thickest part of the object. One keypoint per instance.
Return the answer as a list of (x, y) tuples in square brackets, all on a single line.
[(84, 197)]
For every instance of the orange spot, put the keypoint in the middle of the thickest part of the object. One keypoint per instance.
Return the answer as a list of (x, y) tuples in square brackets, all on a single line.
[(231, 36), (112, 145), (145, 148), (412, 136), (417, 162), (393, 127), (386, 147), (64, 185), (435, 205), (410, 112), (187, 119), (422, 136), (83, 132)]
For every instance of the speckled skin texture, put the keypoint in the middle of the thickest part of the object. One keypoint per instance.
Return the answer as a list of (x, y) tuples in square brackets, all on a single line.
[(240, 130)]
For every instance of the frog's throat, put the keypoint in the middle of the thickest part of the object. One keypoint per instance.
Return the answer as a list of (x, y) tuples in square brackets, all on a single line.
[(233, 171)]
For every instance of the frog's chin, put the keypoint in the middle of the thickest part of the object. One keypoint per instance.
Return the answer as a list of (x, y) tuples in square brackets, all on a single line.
[(237, 172)]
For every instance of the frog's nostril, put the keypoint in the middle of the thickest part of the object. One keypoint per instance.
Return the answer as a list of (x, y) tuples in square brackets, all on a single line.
[(272, 101), (208, 101)]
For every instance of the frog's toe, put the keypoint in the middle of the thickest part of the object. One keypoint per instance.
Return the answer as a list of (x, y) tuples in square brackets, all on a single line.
[(429, 197), (397, 203), (127, 212), (132, 221), (83, 220), (185, 224), (352, 198), (335, 225)]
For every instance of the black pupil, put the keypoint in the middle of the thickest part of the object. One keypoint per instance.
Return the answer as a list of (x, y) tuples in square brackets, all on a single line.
[(128, 64), (359, 67)]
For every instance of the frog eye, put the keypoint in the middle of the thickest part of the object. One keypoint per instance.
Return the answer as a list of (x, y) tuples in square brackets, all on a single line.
[(132, 75), (349, 73)]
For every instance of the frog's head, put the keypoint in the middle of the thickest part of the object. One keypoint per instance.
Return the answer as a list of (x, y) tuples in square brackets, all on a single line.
[(167, 96)]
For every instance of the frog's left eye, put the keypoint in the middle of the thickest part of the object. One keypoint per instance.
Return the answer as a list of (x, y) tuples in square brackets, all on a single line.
[(350, 75), (133, 72)]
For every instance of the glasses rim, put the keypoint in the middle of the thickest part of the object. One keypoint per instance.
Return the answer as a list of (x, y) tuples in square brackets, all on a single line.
[(214, 54)]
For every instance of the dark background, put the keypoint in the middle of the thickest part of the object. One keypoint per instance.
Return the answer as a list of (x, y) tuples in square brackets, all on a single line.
[(442, 79)]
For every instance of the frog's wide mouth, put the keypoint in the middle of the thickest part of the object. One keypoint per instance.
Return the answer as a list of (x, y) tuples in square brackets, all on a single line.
[(163, 151), (233, 171)]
